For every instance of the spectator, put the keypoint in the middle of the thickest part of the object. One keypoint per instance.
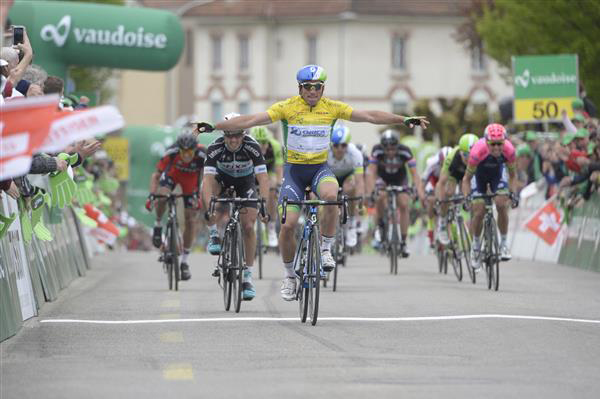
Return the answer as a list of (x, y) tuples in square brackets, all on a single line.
[(524, 161), (54, 84), (582, 139), (12, 73)]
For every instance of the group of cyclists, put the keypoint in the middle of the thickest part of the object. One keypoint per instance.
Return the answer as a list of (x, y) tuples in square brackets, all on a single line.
[(317, 153)]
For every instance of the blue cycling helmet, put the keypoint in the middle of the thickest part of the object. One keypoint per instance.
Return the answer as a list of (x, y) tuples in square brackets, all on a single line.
[(311, 72), (340, 135)]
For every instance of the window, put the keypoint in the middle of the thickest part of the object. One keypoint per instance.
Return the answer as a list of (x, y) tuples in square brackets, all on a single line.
[(217, 62), (244, 107), (398, 52), (478, 61), (311, 42), (216, 110), (189, 47), (244, 52)]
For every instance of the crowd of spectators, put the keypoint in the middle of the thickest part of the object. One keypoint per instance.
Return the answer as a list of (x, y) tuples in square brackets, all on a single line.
[(567, 160), (93, 170)]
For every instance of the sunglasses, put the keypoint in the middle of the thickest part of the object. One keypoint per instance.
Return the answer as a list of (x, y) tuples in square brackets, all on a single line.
[(308, 86), (234, 135), (466, 155), (495, 143), (343, 145)]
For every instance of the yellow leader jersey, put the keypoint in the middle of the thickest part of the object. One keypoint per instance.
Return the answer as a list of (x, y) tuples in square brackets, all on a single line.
[(306, 129)]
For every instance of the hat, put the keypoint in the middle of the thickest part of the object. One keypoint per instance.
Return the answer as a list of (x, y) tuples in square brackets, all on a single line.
[(582, 134), (3, 63), (523, 149), (577, 103), (567, 138), (531, 135), (579, 118)]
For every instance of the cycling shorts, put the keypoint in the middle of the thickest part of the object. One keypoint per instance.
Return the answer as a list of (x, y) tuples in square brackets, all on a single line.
[(498, 182), (190, 192), (296, 177), (244, 187), (342, 179)]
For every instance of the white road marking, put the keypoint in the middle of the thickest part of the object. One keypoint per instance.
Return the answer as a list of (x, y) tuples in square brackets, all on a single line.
[(355, 319)]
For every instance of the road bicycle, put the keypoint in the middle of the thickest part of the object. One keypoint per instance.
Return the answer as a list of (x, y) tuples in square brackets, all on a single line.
[(390, 236), (171, 245), (231, 262), (490, 248), (458, 250), (307, 260), (340, 250)]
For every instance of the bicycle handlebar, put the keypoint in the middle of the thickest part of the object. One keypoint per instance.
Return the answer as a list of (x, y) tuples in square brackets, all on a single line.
[(238, 201), (343, 203)]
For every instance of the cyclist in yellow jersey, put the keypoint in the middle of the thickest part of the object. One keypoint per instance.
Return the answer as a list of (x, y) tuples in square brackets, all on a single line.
[(307, 121)]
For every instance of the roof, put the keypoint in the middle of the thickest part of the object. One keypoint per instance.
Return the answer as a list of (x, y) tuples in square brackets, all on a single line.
[(304, 8)]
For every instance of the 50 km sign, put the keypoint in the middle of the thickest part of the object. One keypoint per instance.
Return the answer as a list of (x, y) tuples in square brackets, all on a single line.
[(544, 85)]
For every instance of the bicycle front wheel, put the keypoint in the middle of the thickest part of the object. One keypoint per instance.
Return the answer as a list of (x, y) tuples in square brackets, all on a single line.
[(238, 269), (259, 247), (167, 258), (456, 263), (174, 249), (225, 263), (465, 248), (314, 276), (302, 289), (495, 259)]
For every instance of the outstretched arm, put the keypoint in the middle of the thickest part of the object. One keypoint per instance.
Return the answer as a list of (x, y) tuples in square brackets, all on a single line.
[(383, 118), (244, 122)]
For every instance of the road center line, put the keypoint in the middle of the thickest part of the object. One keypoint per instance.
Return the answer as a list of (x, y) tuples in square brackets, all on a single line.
[(353, 319)]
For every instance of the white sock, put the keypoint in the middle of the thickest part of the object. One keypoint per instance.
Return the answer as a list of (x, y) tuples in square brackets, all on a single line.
[(158, 223), (326, 243), (271, 226), (249, 269), (289, 269), (212, 229), (503, 239), (186, 253), (476, 243)]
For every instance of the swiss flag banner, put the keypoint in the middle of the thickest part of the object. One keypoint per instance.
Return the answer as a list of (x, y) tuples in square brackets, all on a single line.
[(546, 222), (24, 125)]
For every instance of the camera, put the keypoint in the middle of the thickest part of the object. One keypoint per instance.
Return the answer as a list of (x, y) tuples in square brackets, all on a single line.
[(18, 34)]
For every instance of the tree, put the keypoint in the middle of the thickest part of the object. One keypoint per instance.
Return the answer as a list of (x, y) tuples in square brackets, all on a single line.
[(517, 27)]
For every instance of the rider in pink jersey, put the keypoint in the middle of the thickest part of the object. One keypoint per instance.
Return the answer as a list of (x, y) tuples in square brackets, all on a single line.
[(491, 163)]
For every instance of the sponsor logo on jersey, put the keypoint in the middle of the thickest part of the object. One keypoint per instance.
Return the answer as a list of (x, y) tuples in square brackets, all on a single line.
[(309, 131)]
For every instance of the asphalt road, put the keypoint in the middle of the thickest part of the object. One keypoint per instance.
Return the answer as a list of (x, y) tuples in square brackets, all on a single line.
[(355, 356)]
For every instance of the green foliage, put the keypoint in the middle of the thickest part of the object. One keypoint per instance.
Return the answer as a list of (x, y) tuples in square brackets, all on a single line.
[(517, 27), (91, 78), (456, 119)]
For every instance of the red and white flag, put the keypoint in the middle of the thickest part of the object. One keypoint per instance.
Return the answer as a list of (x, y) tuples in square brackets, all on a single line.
[(35, 125), (73, 126), (546, 222), (24, 125), (106, 231)]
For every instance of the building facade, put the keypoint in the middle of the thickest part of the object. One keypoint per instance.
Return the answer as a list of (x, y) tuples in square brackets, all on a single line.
[(242, 55)]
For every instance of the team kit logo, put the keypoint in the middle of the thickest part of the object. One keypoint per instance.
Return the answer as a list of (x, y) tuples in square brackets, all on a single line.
[(118, 37)]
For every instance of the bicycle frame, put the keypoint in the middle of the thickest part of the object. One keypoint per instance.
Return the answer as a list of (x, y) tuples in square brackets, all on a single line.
[(307, 260), (171, 243), (392, 235)]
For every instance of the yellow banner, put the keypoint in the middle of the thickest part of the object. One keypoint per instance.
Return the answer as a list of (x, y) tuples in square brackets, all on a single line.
[(117, 149), (542, 109)]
